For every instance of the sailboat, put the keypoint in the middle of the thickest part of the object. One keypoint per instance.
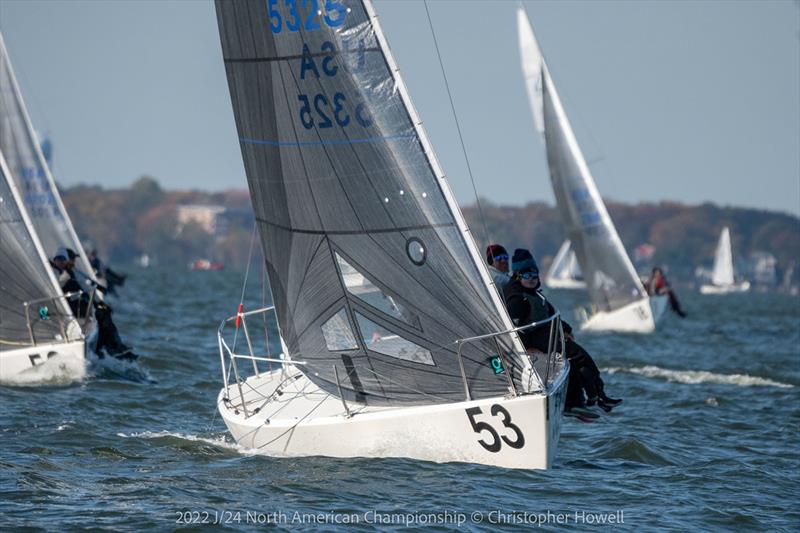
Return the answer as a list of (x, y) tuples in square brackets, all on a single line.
[(722, 279), (36, 323), (31, 174), (395, 342), (565, 272), (619, 299)]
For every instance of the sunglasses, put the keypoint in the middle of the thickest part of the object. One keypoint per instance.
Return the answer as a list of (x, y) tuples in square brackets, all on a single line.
[(501, 257), (529, 275)]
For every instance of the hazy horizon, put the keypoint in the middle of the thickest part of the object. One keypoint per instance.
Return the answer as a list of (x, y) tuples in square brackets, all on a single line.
[(690, 102)]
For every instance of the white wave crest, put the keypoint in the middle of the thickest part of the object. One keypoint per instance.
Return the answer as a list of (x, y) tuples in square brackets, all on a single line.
[(130, 370), (693, 377), (57, 370), (219, 440)]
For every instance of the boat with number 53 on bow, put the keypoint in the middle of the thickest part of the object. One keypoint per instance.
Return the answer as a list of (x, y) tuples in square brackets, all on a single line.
[(395, 342)]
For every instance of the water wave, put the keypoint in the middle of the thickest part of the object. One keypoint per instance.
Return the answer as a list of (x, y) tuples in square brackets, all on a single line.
[(694, 377), (218, 440), (57, 370), (129, 370)]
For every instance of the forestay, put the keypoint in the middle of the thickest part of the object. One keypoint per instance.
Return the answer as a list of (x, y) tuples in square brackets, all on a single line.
[(611, 280), (25, 276), (723, 260), (30, 172), (372, 270)]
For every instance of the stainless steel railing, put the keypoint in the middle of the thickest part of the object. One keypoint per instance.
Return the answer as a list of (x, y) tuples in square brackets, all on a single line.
[(229, 356), (555, 342), (62, 325)]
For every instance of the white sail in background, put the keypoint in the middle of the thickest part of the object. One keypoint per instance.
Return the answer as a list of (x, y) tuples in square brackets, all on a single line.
[(594, 239), (723, 260), (20, 146), (723, 280), (565, 272), (617, 293)]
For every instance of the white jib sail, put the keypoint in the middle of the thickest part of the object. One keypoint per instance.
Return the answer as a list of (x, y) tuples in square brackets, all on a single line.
[(723, 260)]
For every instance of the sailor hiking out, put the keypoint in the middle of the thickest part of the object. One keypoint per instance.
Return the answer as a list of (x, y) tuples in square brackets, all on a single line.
[(526, 304)]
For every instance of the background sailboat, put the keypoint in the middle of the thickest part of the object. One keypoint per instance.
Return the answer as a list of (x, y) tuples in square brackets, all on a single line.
[(36, 323), (722, 278), (376, 280), (619, 299), (565, 272), (32, 176)]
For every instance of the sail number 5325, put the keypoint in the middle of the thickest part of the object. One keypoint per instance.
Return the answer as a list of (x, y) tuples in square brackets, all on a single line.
[(496, 441)]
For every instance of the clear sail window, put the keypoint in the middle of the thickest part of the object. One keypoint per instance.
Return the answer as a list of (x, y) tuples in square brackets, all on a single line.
[(338, 333), (378, 339), (366, 291)]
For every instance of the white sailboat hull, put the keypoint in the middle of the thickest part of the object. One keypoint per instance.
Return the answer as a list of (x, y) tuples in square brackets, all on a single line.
[(725, 289), (556, 283), (302, 420), (24, 365), (641, 316)]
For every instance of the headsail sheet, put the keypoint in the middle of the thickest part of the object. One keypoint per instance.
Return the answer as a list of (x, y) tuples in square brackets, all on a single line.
[(611, 280), (19, 144), (370, 268), (723, 260), (24, 277)]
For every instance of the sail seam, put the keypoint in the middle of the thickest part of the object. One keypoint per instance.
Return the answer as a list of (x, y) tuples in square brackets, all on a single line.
[(354, 232), (322, 142), (298, 56)]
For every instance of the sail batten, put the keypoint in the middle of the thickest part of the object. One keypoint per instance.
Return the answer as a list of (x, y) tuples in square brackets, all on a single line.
[(373, 272)]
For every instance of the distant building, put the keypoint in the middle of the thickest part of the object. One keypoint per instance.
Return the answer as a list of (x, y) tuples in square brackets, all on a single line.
[(206, 216)]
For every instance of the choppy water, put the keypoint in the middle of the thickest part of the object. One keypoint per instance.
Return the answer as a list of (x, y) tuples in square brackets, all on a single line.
[(707, 437)]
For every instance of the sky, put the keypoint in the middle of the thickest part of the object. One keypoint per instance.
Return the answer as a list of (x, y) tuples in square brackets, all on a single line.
[(689, 101)]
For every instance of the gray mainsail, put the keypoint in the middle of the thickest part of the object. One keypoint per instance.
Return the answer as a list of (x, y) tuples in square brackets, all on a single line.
[(30, 172), (372, 269), (25, 276), (611, 280)]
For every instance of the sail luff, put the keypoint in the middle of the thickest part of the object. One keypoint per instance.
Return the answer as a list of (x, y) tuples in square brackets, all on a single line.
[(28, 124), (444, 186)]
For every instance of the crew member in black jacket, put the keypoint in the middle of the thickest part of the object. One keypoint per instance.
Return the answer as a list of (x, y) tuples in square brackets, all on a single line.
[(526, 304)]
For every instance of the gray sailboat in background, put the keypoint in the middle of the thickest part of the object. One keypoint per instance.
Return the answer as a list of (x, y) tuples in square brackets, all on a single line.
[(619, 300), (396, 342)]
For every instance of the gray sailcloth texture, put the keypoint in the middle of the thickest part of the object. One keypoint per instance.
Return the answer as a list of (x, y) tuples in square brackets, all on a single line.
[(29, 170), (610, 278), (23, 278), (369, 270)]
